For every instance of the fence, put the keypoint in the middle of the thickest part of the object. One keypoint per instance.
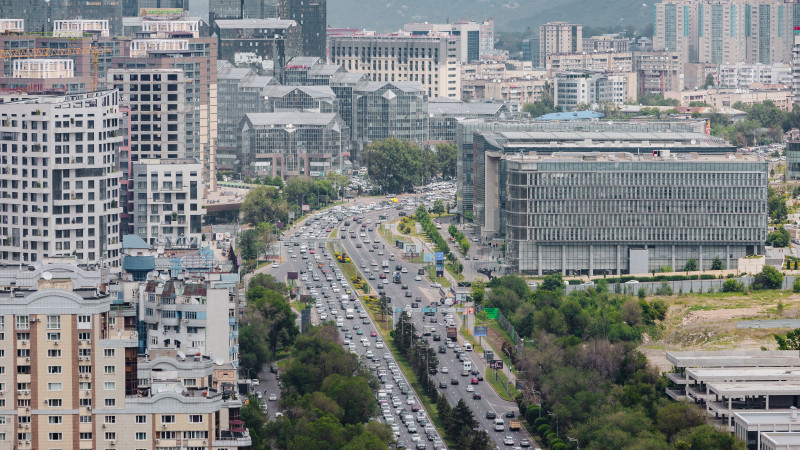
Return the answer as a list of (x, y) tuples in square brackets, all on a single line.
[(678, 287), (508, 328)]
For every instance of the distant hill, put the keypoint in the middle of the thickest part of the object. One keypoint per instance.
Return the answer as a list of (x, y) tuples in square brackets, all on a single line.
[(509, 15)]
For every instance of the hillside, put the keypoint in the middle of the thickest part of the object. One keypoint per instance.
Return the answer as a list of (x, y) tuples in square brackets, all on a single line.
[(509, 15)]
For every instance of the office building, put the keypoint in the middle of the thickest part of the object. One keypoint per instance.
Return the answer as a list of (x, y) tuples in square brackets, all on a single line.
[(744, 76), (600, 213), (39, 15), (726, 98), (59, 190), (312, 18), (606, 43), (197, 58), (243, 9), (792, 160), (263, 44), (467, 38), (309, 71), (288, 144), (320, 99), (571, 89), (530, 52), (796, 69), (657, 72), (429, 60), (444, 115), (725, 32), (559, 37), (168, 201), (757, 427)]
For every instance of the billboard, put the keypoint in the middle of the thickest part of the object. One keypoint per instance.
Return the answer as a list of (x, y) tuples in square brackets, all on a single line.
[(291, 275), (497, 364), (491, 312), (427, 257), (480, 331), (439, 256), (306, 208)]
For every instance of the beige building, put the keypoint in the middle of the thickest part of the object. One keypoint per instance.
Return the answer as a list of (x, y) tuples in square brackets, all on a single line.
[(605, 43), (593, 61), (560, 37), (515, 91), (44, 68), (657, 72), (79, 27), (431, 61), (726, 98), (12, 26)]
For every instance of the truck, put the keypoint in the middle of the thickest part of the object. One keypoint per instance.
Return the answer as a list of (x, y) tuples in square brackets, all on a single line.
[(452, 333), (514, 425), (385, 263), (397, 278)]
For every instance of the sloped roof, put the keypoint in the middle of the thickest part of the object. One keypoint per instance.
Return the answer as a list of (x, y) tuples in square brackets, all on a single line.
[(290, 118)]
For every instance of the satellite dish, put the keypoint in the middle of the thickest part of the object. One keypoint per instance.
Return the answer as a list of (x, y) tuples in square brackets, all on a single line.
[(181, 355), (694, 142), (160, 250), (178, 389), (218, 361), (163, 277), (47, 276)]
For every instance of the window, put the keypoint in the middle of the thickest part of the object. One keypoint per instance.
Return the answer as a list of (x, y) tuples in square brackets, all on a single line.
[(108, 352), (111, 436), (54, 402), (53, 336), (85, 336), (110, 419), (55, 419), (54, 353), (53, 322), (110, 369), (86, 419), (167, 419), (110, 386), (141, 436), (85, 386), (22, 323), (141, 419), (54, 436), (53, 369), (85, 436), (195, 418), (53, 386), (110, 402), (85, 320)]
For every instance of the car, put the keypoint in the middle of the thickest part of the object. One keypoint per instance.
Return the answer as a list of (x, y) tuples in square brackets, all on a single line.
[(421, 445), (408, 294), (442, 349), (274, 265), (417, 278), (400, 444), (510, 413), (405, 286), (273, 397), (359, 331), (470, 388), (411, 401), (474, 381), (434, 320), (415, 408), (365, 321), (379, 344), (476, 396), (475, 371), (491, 415), (524, 443), (453, 381), (442, 385), (373, 334), (508, 440), (414, 304), (437, 337), (385, 281), (445, 369)]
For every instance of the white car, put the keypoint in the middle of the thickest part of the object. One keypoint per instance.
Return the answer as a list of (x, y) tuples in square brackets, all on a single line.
[(417, 278), (379, 344), (274, 265), (273, 397), (445, 369), (411, 400), (470, 388)]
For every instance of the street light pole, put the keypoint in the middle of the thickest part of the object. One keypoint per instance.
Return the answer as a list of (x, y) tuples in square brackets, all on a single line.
[(577, 444), (551, 413)]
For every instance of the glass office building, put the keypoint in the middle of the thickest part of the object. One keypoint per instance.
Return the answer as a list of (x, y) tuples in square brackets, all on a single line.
[(593, 213)]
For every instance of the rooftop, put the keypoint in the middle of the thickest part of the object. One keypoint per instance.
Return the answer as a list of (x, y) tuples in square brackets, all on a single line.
[(645, 139), (753, 388), (405, 86), (465, 109), (254, 23), (782, 439), (311, 91), (733, 358), (617, 157), (755, 418), (744, 373), (290, 118), (572, 115)]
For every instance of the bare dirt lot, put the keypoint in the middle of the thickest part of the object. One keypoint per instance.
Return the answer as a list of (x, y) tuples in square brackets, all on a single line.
[(708, 322)]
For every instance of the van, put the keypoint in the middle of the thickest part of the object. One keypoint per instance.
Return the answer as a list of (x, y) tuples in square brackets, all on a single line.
[(499, 425), (467, 347)]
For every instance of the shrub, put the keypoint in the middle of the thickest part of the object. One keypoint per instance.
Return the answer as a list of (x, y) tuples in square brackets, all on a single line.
[(543, 429)]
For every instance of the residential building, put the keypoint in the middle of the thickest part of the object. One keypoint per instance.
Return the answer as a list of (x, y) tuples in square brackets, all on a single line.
[(243, 9), (602, 213), (8, 25), (385, 110), (516, 92), (59, 190), (39, 15), (80, 27), (606, 43), (559, 37), (197, 58), (428, 60), (591, 61), (312, 18), (131, 8), (796, 69), (168, 200), (657, 72), (745, 76), (288, 144), (263, 44), (571, 89), (726, 98)]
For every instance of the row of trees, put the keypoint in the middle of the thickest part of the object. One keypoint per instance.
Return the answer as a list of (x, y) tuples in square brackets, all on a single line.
[(397, 166), (328, 400), (592, 382), (424, 219), (268, 322), (459, 421), (459, 237)]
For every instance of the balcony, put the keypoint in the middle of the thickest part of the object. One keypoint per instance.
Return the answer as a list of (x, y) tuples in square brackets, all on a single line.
[(235, 437)]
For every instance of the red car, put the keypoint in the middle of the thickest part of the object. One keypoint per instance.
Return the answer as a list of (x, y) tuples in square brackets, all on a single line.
[(373, 334), (415, 408), (476, 396), (474, 381), (311, 251)]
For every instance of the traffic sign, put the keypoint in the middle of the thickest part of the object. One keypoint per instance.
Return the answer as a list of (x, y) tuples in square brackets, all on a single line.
[(398, 310), (480, 331), (497, 364), (425, 310)]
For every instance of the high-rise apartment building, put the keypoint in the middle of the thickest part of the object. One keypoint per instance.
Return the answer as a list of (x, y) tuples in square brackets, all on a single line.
[(428, 60), (725, 32), (559, 37), (606, 43), (59, 183), (266, 44), (796, 69), (596, 214), (590, 61), (312, 18), (657, 72), (468, 37), (744, 75), (571, 89)]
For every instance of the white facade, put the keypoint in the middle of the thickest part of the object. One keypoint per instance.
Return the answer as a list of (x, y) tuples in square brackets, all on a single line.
[(575, 88), (72, 27), (59, 188), (44, 68), (167, 201), (12, 26), (743, 75), (796, 69)]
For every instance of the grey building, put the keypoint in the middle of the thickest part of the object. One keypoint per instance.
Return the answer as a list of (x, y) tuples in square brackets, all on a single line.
[(319, 99), (595, 214), (385, 110), (444, 114), (309, 71), (262, 44), (312, 17), (131, 8), (292, 144), (40, 14), (793, 160)]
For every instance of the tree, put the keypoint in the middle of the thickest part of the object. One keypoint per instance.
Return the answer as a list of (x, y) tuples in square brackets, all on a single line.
[(796, 285), (249, 244), (768, 278), (396, 166), (478, 290), (553, 283), (716, 264), (447, 157), (779, 238), (677, 416), (338, 181), (731, 285), (709, 81), (263, 204), (690, 266), (788, 341), (776, 207), (438, 207)]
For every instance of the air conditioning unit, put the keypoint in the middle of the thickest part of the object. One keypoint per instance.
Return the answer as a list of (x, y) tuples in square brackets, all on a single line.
[(185, 320), (19, 425), (27, 408), (158, 441), (56, 342), (163, 425), (24, 342), (27, 358), (113, 442), (89, 408), (27, 425), (80, 358), (104, 425), (88, 392)]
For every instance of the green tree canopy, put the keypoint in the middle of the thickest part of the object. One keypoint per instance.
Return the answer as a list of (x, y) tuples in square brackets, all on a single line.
[(447, 156), (779, 238), (397, 166), (263, 204)]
